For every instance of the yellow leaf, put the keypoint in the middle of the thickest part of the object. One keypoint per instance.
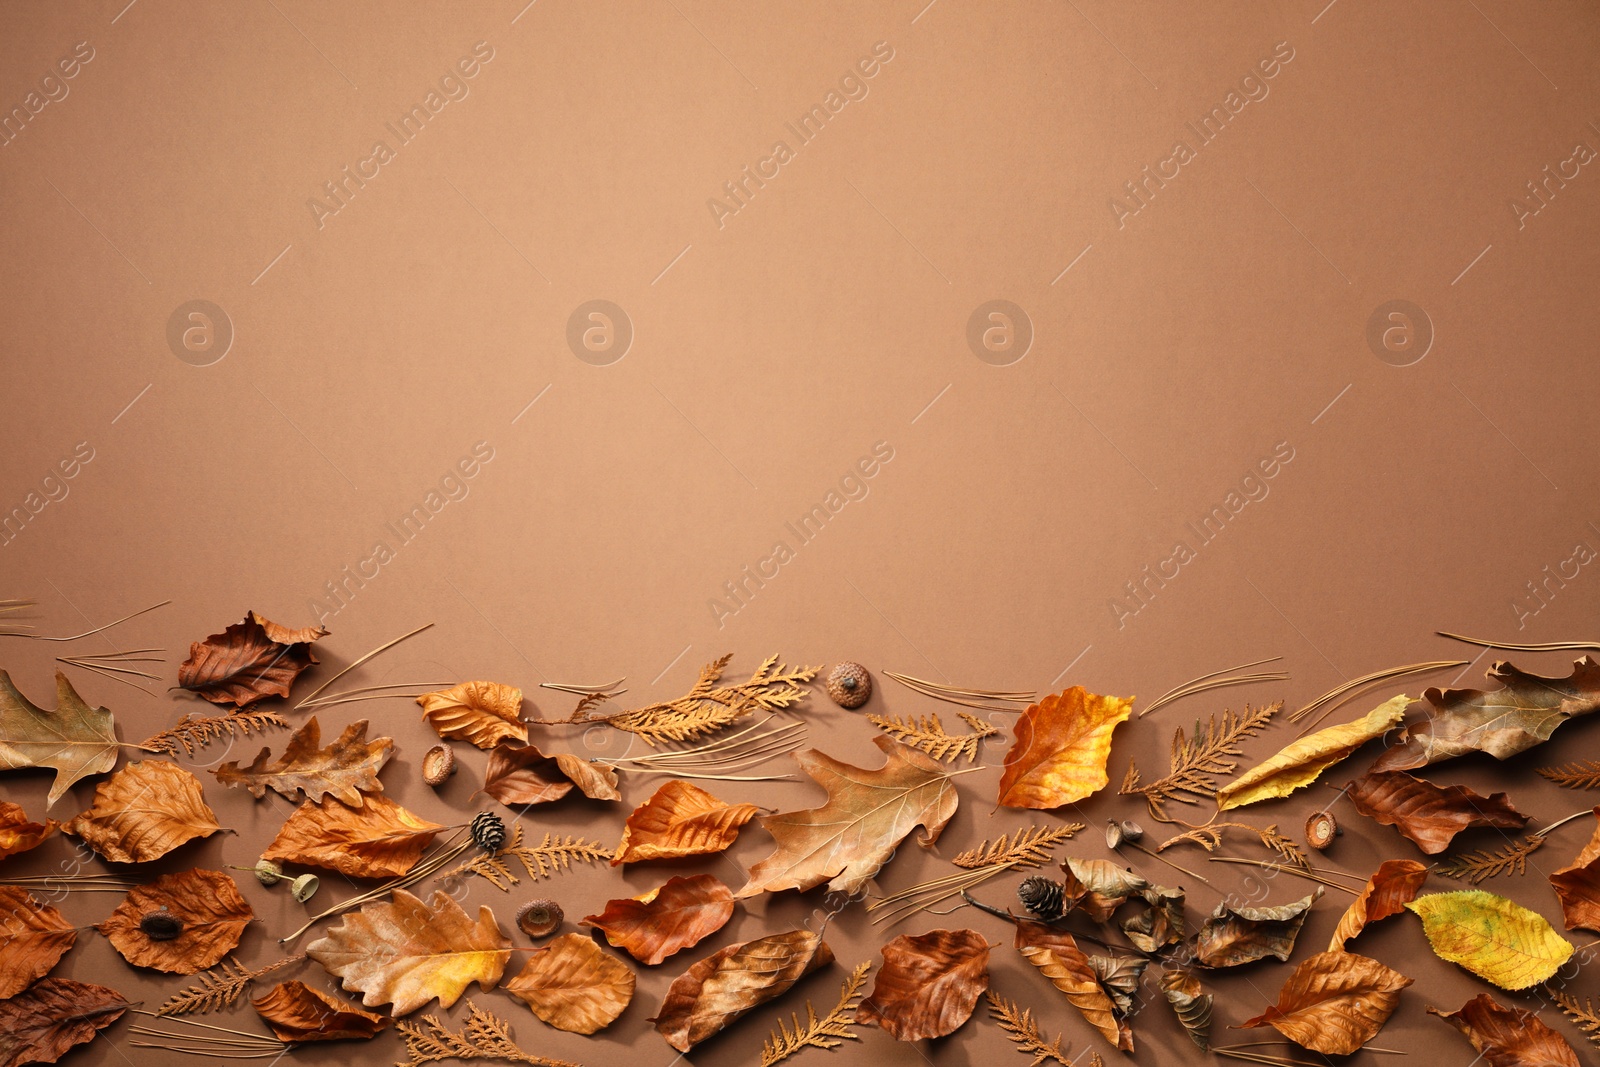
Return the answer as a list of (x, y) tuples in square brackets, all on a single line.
[(1062, 743), (1300, 763), (1497, 940)]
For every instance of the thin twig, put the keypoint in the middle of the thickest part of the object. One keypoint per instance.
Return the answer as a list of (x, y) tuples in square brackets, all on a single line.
[(610, 688), (1547, 646)]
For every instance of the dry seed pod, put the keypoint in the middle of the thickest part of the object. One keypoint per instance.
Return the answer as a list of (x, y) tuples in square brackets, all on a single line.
[(438, 764), (539, 918), (1119, 832), (304, 887), (161, 925), (1321, 829), (849, 684)]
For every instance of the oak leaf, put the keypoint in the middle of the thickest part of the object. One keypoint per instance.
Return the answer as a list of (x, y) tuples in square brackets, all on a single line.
[(144, 811), (1392, 886), (680, 819), (730, 982), (345, 769), (74, 740), (379, 839), (1058, 957), (1334, 1003), (35, 937), (928, 984), (1499, 941), (1238, 935), (521, 774), (211, 914), (1060, 749), (1303, 761), (481, 713), (297, 1013), (18, 833), (869, 812), (248, 661), (1508, 1037), (672, 917), (574, 986), (1578, 886), (405, 952), (1429, 815), (42, 1024)]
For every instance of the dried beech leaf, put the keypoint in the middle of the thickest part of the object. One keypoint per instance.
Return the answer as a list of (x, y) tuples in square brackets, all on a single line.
[(518, 775), (345, 769), (1394, 885), (1098, 887), (1498, 940), (208, 905), (928, 984), (1055, 952), (1303, 761), (74, 740), (868, 814), (482, 713), (144, 811), (680, 820), (1119, 976), (17, 833), (1501, 722), (1061, 747), (1430, 815), (379, 839), (1508, 1037), (723, 986), (1233, 936), (35, 937), (1578, 886), (1162, 922), (679, 915), (44, 1023), (1191, 1003), (574, 986), (404, 952), (297, 1013), (1334, 1003), (248, 661)]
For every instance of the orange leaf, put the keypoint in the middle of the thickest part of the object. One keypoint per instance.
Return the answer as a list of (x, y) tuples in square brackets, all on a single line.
[(574, 986), (1578, 886), (1056, 954), (144, 811), (668, 919), (928, 985), (35, 937), (1061, 747), (379, 839), (482, 713), (1508, 1037), (297, 1013), (39, 1026), (680, 820), (248, 661), (521, 774), (345, 769), (728, 983), (1430, 815), (206, 905), (1394, 885), (17, 834), (1334, 1003)]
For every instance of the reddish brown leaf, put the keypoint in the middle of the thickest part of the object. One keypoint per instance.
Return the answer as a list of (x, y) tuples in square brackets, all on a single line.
[(1234, 936), (723, 986), (345, 769), (1334, 1003), (1394, 885), (297, 1013), (379, 839), (41, 1025), (17, 834), (1430, 815), (248, 661), (519, 775), (208, 908), (573, 985), (1055, 952), (144, 811), (667, 919), (1578, 886), (35, 937), (680, 820), (928, 984), (1508, 1037), (482, 713)]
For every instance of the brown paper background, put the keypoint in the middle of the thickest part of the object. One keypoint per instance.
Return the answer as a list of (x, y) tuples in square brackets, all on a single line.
[(769, 355)]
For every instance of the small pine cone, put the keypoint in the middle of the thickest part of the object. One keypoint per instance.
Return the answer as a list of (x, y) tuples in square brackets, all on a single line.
[(488, 831), (1042, 897)]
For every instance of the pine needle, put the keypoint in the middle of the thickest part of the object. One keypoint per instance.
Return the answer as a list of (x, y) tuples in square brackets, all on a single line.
[(218, 987), (1195, 760), (191, 733), (311, 696), (828, 1032), (1029, 848), (1547, 646), (1583, 774), (86, 633), (970, 698), (1584, 1014), (1018, 1024), (1347, 690), (609, 689), (734, 752), (1205, 682), (927, 733), (539, 861), (1314, 874), (484, 1037)]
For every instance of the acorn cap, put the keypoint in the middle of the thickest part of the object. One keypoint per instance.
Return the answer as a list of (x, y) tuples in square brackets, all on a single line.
[(304, 887), (1321, 829), (849, 685), (438, 764), (539, 918)]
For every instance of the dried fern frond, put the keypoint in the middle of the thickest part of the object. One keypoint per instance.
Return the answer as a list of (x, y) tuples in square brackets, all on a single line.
[(1584, 1014), (1029, 848), (927, 733), (484, 1037), (539, 861), (1584, 774), (1195, 760), (218, 988), (1209, 837), (191, 733), (830, 1031), (1019, 1026), (1476, 866)]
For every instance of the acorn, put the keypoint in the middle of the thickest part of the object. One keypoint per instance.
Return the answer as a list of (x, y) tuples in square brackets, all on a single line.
[(161, 925), (539, 918), (849, 684), (1321, 829), (488, 831), (304, 887), (1042, 897), (438, 764)]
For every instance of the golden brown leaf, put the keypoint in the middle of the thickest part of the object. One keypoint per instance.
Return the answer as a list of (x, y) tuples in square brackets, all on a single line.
[(404, 952), (1160, 924), (1508, 1037), (928, 984), (654, 925), (379, 839), (17, 833), (345, 769), (723, 986), (1303, 761), (1430, 815), (248, 661), (74, 740), (574, 986), (482, 713), (1061, 747), (519, 775), (1237, 935), (680, 820), (1496, 939), (1098, 887), (42, 1024), (1190, 1003), (207, 904), (1392, 886), (144, 811), (1578, 886), (1055, 952), (1334, 1003), (35, 937), (297, 1013)]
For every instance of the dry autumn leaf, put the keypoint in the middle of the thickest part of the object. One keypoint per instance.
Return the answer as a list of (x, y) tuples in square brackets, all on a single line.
[(205, 908), (1429, 815), (928, 984), (1161, 924), (143, 812), (1334, 1003), (1499, 941), (379, 839), (519, 775), (654, 925), (680, 820), (1392, 886), (1190, 1003), (574, 986), (17, 833), (868, 814), (1578, 886), (1055, 952), (1098, 887), (1508, 1037), (35, 937), (404, 952), (1061, 747), (42, 1024), (1502, 722), (297, 1013), (725, 985), (249, 660), (345, 769), (74, 740), (1234, 936), (1303, 761), (481, 713)]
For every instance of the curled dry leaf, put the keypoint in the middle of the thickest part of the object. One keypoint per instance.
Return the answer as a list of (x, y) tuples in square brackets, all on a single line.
[(1578, 886), (1430, 815), (297, 1013), (1060, 749), (1392, 886), (574, 986), (1234, 936), (667, 919), (1098, 887), (143, 812), (1303, 761), (35, 937), (345, 769), (1055, 952), (379, 839), (17, 833), (1334, 1003), (482, 713), (868, 814), (74, 740), (1494, 938), (725, 985), (518, 775), (1119, 976), (211, 914), (680, 819), (249, 660), (404, 952), (928, 984), (42, 1024), (1161, 924), (1191, 1003), (1508, 1037)]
